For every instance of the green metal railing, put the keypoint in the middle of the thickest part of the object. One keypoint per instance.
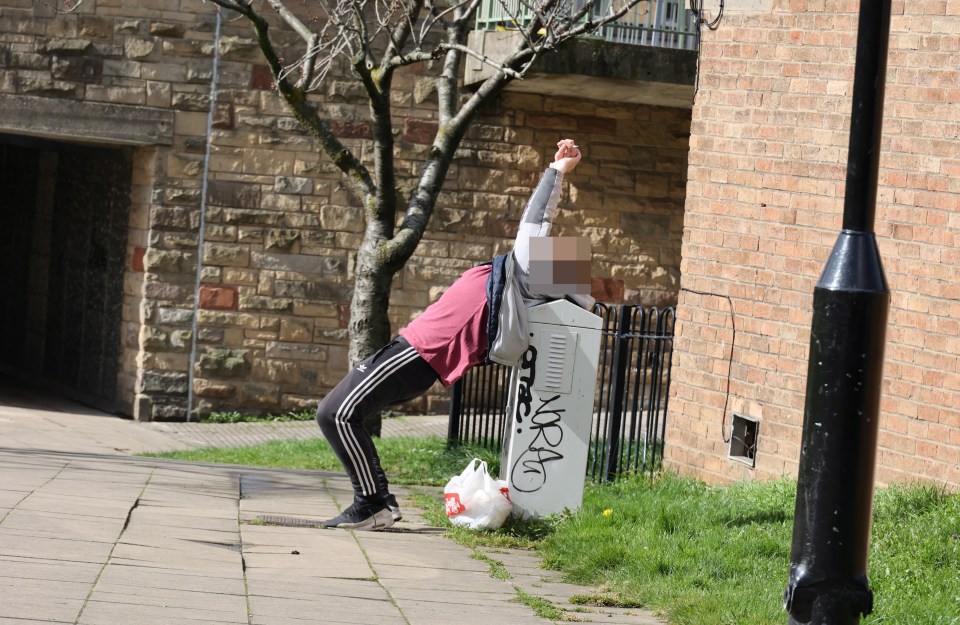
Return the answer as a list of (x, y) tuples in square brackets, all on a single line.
[(657, 23)]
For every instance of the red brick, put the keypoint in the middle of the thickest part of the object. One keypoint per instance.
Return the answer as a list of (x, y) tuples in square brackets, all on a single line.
[(607, 290), (547, 120), (223, 117), (137, 260), (420, 131), (746, 170), (351, 130), (597, 124), (261, 78), (218, 297)]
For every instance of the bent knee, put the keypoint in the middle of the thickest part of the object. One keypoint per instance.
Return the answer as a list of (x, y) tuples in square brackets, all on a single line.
[(329, 413), (326, 414)]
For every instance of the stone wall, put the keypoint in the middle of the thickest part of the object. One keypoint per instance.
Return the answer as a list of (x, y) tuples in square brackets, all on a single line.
[(764, 207), (280, 228)]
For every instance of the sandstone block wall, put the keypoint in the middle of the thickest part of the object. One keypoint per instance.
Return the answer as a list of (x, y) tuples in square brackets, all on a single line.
[(764, 206), (281, 229)]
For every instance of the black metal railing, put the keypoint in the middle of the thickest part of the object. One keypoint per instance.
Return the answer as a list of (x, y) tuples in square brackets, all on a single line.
[(632, 390), (630, 408), (478, 407)]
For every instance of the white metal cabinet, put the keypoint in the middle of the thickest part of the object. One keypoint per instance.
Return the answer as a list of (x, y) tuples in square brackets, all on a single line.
[(551, 410)]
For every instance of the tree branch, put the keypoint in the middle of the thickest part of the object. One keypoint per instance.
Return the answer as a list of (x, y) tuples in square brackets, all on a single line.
[(343, 159), (577, 26), (448, 85), (292, 20), (449, 135), (436, 16), (464, 12), (401, 32), (415, 56), (583, 11), (363, 35), (384, 208), (482, 58), (309, 63)]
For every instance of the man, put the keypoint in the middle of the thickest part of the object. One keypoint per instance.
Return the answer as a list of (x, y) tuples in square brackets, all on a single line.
[(452, 335)]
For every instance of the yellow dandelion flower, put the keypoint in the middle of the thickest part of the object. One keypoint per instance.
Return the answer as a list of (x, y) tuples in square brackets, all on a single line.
[(608, 512)]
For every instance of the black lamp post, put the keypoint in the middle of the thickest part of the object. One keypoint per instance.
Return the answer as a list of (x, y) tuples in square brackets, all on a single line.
[(831, 532)]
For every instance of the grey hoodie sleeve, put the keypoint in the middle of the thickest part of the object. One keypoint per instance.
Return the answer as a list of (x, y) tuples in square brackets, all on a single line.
[(536, 221), (537, 218)]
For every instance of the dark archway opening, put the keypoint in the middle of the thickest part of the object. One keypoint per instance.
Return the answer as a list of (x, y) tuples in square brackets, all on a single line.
[(63, 234)]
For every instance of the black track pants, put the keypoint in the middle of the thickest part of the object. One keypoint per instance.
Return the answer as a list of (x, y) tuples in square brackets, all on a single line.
[(393, 375)]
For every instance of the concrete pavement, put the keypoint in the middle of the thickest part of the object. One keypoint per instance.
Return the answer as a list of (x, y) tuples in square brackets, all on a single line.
[(90, 534), (239, 434)]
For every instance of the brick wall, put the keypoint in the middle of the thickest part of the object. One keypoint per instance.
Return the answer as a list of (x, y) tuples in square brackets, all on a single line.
[(764, 206), (281, 229)]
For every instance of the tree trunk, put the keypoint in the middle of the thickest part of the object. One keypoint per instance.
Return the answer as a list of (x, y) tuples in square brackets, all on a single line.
[(369, 321)]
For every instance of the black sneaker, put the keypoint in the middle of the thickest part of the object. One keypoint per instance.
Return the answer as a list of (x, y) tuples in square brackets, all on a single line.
[(363, 517), (391, 502)]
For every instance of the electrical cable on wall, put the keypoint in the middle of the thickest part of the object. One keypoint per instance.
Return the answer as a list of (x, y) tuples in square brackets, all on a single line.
[(733, 341), (696, 6)]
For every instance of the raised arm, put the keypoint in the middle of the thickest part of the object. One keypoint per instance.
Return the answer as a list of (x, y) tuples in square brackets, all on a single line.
[(538, 216)]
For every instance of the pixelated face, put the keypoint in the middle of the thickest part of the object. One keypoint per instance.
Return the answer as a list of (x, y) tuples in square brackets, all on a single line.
[(560, 266)]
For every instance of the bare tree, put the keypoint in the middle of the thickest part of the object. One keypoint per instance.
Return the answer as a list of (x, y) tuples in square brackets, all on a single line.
[(377, 37)]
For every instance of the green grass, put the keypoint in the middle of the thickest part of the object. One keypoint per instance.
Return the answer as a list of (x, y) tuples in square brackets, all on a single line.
[(696, 554), (515, 534), (702, 555), (542, 607), (407, 460), (497, 570), (915, 556), (309, 414), (237, 417), (719, 555)]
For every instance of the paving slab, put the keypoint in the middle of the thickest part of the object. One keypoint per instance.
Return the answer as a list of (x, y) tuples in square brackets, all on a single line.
[(233, 604), (516, 614), (28, 607), (323, 589), (70, 427), (311, 619), (48, 526), (173, 518), (272, 552), (40, 589), (479, 582), (20, 570), (205, 558), (54, 549), (109, 613), (91, 535), (227, 582), (151, 534), (362, 610), (199, 435)]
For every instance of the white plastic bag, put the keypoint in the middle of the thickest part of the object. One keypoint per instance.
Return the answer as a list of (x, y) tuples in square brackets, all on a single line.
[(476, 500)]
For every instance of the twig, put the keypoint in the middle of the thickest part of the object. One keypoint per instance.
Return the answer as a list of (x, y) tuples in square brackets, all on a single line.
[(482, 58)]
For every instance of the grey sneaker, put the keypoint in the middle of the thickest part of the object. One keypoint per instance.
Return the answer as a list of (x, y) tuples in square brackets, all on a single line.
[(394, 507), (363, 517)]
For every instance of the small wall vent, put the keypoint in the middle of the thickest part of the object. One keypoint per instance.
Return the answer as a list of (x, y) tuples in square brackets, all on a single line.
[(743, 439)]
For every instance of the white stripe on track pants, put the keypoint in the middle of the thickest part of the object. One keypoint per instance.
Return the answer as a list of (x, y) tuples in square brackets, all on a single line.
[(393, 375)]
